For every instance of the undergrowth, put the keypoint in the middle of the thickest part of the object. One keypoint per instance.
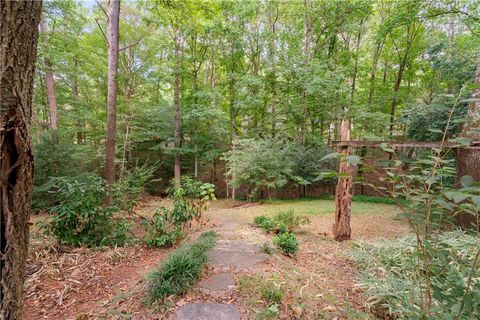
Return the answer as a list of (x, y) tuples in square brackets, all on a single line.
[(282, 222), (181, 269), (390, 277)]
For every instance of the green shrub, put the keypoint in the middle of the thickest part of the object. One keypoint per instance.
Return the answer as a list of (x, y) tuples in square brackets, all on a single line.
[(288, 221), (181, 269), (80, 216), (159, 231), (287, 243), (390, 277), (265, 223), (281, 223)]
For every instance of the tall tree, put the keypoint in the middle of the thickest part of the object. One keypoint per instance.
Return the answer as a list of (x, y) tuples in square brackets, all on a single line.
[(344, 191), (18, 46), (112, 59), (176, 108), (50, 81)]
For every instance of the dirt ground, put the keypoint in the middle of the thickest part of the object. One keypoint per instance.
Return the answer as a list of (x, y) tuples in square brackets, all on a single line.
[(82, 283)]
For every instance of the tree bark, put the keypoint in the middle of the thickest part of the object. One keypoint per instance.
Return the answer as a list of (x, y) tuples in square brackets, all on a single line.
[(112, 57), (50, 81), (18, 46), (176, 110), (344, 191)]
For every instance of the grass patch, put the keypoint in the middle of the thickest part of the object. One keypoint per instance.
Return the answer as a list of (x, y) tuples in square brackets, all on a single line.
[(181, 269), (264, 296), (320, 207)]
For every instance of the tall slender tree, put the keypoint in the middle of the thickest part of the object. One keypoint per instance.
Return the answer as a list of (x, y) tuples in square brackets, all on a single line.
[(112, 58), (18, 46)]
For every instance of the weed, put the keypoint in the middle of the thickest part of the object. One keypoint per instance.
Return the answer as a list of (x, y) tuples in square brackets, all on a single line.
[(269, 313), (271, 293), (266, 248)]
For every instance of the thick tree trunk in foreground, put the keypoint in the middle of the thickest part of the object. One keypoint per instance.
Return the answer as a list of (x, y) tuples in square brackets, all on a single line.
[(176, 111), (50, 81), (468, 160), (344, 191), (18, 46), (112, 57)]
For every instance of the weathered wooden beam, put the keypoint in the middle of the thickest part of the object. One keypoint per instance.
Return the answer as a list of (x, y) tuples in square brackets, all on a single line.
[(403, 144)]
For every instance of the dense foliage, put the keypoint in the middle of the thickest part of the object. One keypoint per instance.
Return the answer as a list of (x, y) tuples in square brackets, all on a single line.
[(80, 217), (267, 82), (390, 277)]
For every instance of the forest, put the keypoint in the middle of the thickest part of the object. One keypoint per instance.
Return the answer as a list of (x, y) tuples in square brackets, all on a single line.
[(240, 159)]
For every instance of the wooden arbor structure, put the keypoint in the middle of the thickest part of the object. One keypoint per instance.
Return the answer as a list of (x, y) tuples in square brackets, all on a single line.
[(468, 162)]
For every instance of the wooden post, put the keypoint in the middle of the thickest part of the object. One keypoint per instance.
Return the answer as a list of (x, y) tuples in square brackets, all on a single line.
[(343, 192)]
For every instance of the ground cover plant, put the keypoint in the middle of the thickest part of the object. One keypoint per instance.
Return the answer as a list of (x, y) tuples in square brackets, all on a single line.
[(390, 279), (287, 243), (181, 269)]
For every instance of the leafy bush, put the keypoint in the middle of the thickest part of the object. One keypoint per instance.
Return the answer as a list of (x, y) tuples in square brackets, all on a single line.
[(289, 221), (181, 269), (159, 232), (281, 223), (287, 243), (189, 201), (390, 277), (57, 156), (264, 222), (80, 217)]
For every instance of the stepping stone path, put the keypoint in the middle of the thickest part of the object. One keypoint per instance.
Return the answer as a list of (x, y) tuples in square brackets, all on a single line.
[(236, 254), (219, 283), (208, 311), (228, 254)]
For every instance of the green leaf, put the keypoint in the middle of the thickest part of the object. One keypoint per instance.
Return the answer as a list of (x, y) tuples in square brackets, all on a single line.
[(466, 181), (330, 156), (475, 200), (455, 196), (444, 204), (353, 159), (462, 140)]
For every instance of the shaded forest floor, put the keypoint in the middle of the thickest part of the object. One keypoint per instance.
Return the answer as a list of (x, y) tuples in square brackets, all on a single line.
[(82, 283)]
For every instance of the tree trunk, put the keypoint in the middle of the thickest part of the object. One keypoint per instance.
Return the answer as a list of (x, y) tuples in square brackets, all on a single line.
[(50, 81), (344, 191), (468, 160), (112, 57), (373, 73), (18, 46), (306, 49), (176, 110)]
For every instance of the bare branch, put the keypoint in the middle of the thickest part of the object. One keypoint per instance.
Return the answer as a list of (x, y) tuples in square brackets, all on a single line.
[(132, 45), (98, 24), (103, 9)]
